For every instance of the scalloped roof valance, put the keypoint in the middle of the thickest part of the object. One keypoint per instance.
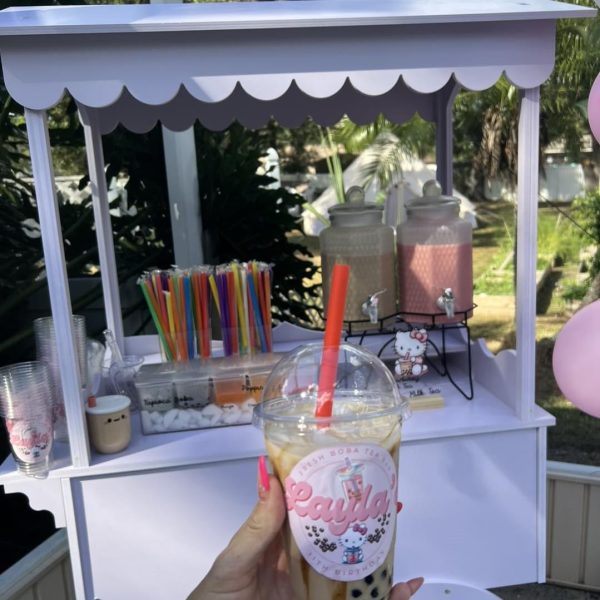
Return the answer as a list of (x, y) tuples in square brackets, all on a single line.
[(139, 64)]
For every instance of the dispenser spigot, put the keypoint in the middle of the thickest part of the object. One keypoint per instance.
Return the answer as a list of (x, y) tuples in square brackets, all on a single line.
[(370, 308), (446, 302)]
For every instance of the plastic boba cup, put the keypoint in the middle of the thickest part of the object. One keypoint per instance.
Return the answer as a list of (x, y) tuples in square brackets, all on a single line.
[(26, 403), (339, 473)]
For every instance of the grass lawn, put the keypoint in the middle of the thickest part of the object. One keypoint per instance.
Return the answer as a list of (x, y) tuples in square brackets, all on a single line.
[(576, 437)]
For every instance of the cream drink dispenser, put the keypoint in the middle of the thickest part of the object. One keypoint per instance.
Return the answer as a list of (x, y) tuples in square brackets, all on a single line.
[(435, 259), (357, 237)]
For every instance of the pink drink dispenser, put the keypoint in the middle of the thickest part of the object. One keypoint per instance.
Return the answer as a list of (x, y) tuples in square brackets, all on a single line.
[(357, 237), (435, 259)]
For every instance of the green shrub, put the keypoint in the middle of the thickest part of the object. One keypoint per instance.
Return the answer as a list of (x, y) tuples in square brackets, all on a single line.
[(587, 212), (245, 219), (558, 239), (573, 290)]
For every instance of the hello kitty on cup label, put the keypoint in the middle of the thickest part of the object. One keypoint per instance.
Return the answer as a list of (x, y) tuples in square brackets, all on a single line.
[(341, 503), (30, 441), (411, 346)]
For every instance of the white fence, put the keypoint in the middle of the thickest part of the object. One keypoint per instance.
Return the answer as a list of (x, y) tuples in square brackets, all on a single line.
[(44, 574), (573, 551)]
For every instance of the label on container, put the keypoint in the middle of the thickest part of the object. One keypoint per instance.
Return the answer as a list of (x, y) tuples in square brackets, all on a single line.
[(341, 503), (30, 441)]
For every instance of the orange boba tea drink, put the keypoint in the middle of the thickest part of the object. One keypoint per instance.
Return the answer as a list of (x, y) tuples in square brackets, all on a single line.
[(339, 472)]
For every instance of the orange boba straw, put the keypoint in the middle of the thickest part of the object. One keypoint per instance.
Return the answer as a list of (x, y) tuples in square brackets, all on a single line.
[(331, 342)]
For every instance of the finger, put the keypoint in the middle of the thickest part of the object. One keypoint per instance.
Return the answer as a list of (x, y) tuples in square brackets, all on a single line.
[(404, 591), (248, 545)]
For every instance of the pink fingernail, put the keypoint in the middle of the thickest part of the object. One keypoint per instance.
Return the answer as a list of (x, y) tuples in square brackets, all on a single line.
[(263, 475)]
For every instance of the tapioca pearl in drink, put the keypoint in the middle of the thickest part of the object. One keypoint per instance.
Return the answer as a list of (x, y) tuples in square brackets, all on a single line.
[(376, 585), (314, 586)]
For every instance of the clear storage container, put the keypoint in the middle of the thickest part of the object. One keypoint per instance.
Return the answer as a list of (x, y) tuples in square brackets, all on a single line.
[(200, 394), (357, 237), (435, 259)]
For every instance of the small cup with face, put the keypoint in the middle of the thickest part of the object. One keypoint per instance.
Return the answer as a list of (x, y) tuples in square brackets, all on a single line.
[(109, 423)]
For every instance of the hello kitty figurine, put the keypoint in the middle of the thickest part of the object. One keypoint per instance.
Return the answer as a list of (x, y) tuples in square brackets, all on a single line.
[(410, 347), (352, 541)]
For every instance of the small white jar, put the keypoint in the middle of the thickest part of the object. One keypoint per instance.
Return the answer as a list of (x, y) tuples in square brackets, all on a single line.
[(109, 423)]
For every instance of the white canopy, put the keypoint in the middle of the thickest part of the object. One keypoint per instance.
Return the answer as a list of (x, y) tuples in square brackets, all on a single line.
[(290, 60)]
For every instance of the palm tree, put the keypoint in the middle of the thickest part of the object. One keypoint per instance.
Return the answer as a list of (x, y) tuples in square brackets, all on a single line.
[(486, 122)]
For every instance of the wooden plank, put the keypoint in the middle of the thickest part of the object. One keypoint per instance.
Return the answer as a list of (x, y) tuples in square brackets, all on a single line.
[(542, 505), (567, 531), (592, 547), (549, 524), (22, 576), (51, 585), (27, 595), (68, 578)]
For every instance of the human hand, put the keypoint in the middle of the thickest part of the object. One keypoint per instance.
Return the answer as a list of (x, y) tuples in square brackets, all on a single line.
[(254, 565)]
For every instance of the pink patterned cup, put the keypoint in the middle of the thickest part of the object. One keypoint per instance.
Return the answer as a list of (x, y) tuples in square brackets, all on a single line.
[(26, 405)]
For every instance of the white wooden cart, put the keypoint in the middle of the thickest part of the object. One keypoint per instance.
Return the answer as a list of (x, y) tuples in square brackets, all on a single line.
[(147, 523)]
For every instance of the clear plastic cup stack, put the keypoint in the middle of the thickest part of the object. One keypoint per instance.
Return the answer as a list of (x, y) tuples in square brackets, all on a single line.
[(47, 352), (26, 403)]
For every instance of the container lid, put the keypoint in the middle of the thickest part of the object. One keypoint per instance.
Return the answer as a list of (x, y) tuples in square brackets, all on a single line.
[(433, 201), (355, 212), (108, 404), (365, 389), (224, 367)]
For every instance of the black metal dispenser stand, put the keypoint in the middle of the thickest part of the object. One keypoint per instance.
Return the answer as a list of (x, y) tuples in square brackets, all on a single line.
[(358, 330)]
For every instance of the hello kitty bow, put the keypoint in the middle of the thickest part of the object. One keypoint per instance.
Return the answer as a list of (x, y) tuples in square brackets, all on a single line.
[(362, 529), (421, 336)]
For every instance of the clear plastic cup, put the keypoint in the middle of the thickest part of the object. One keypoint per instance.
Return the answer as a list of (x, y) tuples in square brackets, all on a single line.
[(47, 352), (26, 402), (339, 473), (122, 376)]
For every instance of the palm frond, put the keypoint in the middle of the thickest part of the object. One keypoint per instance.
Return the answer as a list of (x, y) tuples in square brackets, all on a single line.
[(384, 160)]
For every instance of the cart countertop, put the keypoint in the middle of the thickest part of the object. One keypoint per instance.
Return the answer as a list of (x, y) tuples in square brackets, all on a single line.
[(125, 18)]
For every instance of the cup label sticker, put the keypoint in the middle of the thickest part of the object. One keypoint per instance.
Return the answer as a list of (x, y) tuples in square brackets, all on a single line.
[(341, 503), (30, 441)]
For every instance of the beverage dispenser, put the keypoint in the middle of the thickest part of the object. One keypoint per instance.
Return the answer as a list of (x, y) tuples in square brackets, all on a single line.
[(357, 237), (435, 259)]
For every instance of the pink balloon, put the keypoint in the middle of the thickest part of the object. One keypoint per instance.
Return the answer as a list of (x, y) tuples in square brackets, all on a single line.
[(576, 359), (593, 108)]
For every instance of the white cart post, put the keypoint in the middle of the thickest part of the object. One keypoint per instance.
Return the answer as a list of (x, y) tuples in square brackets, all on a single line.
[(58, 285), (104, 237), (527, 199), (444, 144)]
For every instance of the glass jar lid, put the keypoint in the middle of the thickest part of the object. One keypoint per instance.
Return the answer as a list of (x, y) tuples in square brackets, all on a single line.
[(433, 202), (355, 212)]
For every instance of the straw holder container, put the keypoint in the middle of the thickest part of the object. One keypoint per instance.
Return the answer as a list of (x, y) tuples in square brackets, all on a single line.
[(197, 394)]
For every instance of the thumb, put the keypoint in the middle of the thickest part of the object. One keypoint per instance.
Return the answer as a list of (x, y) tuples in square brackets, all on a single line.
[(405, 591), (246, 548)]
